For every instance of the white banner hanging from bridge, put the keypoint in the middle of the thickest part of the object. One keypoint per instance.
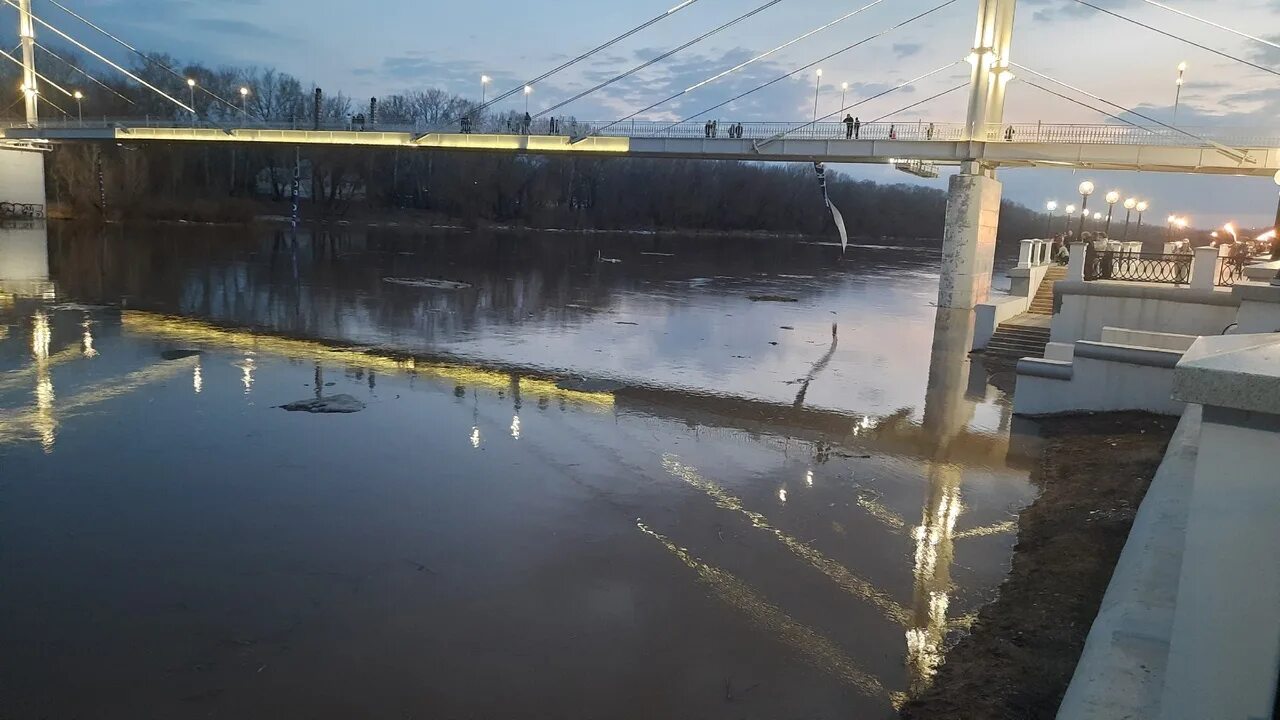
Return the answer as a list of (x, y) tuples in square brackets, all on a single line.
[(835, 213)]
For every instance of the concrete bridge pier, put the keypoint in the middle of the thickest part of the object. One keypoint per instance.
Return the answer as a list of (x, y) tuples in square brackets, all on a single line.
[(969, 238), (22, 177)]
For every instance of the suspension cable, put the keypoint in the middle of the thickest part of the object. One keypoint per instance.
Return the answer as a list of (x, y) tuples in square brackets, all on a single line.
[(1068, 98), (528, 83), (90, 50), (1230, 151), (739, 66), (73, 66), (18, 62), (922, 102), (864, 101), (823, 59), (139, 53), (660, 58), (1206, 21), (1206, 48)]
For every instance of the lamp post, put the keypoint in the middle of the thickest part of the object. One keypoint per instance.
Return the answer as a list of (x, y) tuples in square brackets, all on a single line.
[(1113, 197), (1141, 207), (191, 94), (484, 87), (1177, 96), (844, 90), (528, 90), (1129, 205), (1051, 206), (244, 102), (79, 96), (817, 85), (1066, 217), (1086, 189)]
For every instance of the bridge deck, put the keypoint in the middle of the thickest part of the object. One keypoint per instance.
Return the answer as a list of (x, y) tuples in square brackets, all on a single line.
[(1103, 153)]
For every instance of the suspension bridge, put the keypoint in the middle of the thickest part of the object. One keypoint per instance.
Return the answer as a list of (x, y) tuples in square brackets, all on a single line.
[(979, 146)]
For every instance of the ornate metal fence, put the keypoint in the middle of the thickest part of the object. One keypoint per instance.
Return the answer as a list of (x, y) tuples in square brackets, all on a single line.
[(1231, 271), (1138, 267)]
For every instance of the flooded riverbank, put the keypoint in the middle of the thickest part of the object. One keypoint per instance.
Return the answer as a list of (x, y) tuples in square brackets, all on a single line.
[(577, 487)]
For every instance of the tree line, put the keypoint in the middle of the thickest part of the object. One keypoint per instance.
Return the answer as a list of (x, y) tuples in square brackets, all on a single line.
[(215, 182)]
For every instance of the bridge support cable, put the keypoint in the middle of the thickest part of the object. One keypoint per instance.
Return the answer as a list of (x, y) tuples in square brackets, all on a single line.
[(660, 58), (1167, 34), (100, 57), (931, 98), (877, 96), (527, 83), (80, 70), (1211, 23), (1086, 105), (18, 62), (1229, 151), (825, 58), (742, 65), (146, 58)]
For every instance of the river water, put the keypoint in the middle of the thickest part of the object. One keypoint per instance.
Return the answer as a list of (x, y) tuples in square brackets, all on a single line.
[(631, 476)]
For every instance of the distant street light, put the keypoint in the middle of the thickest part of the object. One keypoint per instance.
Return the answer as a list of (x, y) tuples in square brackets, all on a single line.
[(79, 96), (1182, 69), (844, 90), (1275, 239), (1141, 207), (1051, 206), (244, 102), (1113, 197), (191, 90), (817, 85), (527, 92), (1129, 205), (484, 86), (1086, 189)]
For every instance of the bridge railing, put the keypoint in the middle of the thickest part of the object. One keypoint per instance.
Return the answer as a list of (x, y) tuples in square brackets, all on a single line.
[(915, 131)]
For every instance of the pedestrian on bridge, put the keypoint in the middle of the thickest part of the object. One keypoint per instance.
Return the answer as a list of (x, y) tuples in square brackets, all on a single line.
[(715, 128), (528, 123), (848, 127), (706, 129)]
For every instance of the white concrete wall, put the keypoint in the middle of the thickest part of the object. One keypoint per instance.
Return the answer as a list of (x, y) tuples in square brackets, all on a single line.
[(1142, 338), (21, 176), (1095, 386), (1259, 309), (1121, 671), (969, 241), (1086, 308)]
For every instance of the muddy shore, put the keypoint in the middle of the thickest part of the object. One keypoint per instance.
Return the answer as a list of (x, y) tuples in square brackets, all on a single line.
[(1020, 654)]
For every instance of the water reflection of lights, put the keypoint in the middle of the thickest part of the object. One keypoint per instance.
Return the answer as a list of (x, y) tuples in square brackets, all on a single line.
[(861, 425), (193, 331), (847, 581), (247, 366), (475, 437), (816, 649), (87, 339), (808, 478), (782, 493), (41, 336), (933, 557), (515, 427), (197, 380)]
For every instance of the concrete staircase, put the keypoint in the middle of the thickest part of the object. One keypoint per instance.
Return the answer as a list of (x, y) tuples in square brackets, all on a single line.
[(1013, 341), (1042, 303)]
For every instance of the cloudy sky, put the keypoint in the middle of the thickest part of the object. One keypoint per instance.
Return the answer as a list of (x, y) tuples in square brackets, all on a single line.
[(367, 47)]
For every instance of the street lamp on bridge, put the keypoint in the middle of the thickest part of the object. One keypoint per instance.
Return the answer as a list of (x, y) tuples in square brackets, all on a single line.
[(191, 92), (528, 90), (484, 86), (1086, 189), (1129, 205), (1113, 197), (817, 85), (79, 96), (1182, 69), (1051, 206), (244, 102)]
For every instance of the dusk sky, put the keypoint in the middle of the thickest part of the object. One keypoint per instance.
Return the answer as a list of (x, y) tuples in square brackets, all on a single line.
[(383, 46)]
